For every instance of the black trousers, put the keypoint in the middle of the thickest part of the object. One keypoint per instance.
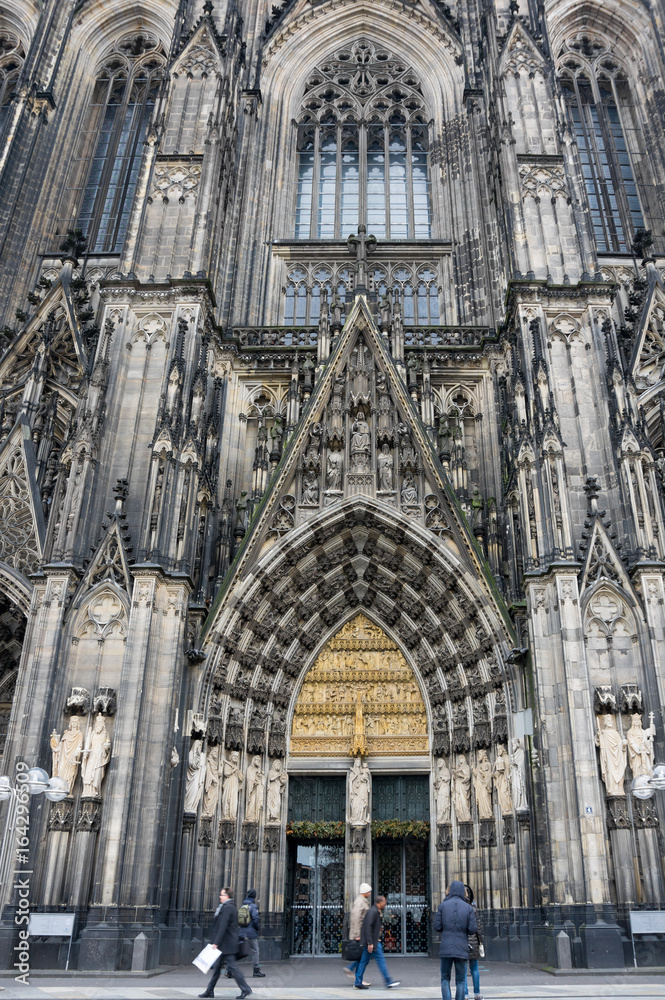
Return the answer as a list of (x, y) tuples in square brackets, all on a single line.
[(231, 965)]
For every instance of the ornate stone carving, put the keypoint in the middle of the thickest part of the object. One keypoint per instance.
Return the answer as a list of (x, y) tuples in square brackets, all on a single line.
[(277, 780), (256, 736), (482, 736), (518, 775), (482, 780), (250, 837), (645, 813), (502, 780), (442, 793), (66, 751), (233, 738), (195, 776), (444, 837), (440, 743), (226, 836), (359, 661), (613, 759), (232, 780), (254, 790), (78, 702), (509, 829), (465, 840), (358, 839), (96, 756), (462, 790), (487, 833), (360, 447), (211, 786), (104, 701), (630, 699), (60, 815), (360, 783), (205, 831), (90, 816), (640, 745), (271, 839), (604, 699), (618, 817)]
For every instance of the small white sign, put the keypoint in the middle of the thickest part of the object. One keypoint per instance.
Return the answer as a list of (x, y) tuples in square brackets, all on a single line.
[(51, 924), (647, 921), (588, 810)]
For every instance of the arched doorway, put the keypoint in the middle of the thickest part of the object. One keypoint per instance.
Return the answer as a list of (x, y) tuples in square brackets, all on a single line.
[(360, 699)]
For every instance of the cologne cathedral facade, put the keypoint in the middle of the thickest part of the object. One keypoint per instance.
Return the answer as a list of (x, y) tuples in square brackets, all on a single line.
[(332, 430)]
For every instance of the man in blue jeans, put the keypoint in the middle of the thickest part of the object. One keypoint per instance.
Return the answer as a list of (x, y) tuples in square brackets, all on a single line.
[(454, 920), (370, 942)]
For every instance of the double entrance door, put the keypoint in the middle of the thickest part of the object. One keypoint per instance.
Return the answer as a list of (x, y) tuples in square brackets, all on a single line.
[(401, 874)]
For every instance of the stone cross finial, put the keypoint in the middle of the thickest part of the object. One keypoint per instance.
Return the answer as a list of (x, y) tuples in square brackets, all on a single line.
[(361, 246)]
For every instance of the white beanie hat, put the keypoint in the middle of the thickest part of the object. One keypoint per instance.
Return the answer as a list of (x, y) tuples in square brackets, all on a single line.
[(364, 888)]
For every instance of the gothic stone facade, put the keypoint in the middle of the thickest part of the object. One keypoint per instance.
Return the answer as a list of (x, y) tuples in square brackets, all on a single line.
[(332, 429)]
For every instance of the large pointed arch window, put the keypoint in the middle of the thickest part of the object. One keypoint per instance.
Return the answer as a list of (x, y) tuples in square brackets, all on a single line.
[(598, 97), (106, 167), (363, 147)]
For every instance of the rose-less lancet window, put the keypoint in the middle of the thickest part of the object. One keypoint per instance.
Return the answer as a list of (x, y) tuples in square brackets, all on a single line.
[(363, 144)]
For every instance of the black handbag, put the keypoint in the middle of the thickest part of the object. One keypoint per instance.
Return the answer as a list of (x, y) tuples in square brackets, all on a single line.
[(351, 950), (243, 948)]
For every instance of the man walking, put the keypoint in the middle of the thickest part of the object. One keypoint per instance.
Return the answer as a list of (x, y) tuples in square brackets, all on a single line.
[(455, 920), (370, 942), (358, 912), (250, 925), (225, 938)]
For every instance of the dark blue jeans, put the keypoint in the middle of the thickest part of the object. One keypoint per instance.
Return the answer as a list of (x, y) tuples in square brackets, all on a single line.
[(380, 961), (475, 975), (460, 977)]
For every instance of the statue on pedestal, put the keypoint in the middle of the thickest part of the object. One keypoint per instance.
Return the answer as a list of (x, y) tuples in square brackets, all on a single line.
[(211, 786), (254, 805), (195, 776), (96, 756), (482, 775), (360, 784), (612, 754), (462, 790), (517, 775), (442, 792), (67, 752), (232, 780), (502, 780), (640, 745), (276, 784)]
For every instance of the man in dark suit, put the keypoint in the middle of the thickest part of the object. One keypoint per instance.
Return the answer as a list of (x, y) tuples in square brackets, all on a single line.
[(370, 942), (225, 938)]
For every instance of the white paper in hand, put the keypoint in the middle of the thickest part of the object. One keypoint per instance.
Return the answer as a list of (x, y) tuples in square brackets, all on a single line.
[(206, 958)]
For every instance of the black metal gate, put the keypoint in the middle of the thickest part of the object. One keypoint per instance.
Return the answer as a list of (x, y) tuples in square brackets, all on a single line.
[(317, 907)]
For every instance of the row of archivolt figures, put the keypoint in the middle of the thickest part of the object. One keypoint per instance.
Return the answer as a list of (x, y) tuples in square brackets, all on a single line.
[(506, 778), (213, 778)]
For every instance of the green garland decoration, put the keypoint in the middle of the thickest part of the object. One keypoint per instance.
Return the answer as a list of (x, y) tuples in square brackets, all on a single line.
[(396, 828), (305, 829)]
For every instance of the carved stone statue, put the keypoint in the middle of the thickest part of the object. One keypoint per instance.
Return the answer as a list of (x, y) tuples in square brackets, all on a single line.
[(502, 780), (255, 778), (195, 776), (96, 756), (612, 754), (232, 779), (211, 787), (310, 489), (360, 444), (462, 790), (334, 470), (313, 445), (442, 792), (385, 464), (482, 782), (359, 785), (517, 776), (640, 745), (276, 784), (67, 752), (409, 490)]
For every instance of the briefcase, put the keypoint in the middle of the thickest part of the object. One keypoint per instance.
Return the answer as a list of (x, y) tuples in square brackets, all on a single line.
[(243, 949), (351, 950)]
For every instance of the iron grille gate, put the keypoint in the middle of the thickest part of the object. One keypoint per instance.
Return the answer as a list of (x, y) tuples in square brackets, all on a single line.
[(317, 910), (401, 875)]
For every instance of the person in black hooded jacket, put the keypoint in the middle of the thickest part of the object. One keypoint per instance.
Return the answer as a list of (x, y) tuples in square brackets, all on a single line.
[(455, 919)]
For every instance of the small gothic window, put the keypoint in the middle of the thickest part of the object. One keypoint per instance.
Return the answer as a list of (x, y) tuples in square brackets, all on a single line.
[(12, 56), (363, 145), (105, 171), (597, 94)]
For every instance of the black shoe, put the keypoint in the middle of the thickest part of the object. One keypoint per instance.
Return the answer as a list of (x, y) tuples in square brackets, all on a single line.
[(258, 974), (206, 995), (228, 975), (245, 993), (361, 987)]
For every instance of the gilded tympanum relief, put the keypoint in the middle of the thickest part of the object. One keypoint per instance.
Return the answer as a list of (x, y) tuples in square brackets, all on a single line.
[(360, 696)]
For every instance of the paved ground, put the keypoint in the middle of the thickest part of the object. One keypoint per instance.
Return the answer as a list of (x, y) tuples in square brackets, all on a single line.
[(323, 979)]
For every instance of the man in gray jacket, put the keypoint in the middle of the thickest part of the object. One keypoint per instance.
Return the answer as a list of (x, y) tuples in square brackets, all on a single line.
[(455, 920), (358, 911)]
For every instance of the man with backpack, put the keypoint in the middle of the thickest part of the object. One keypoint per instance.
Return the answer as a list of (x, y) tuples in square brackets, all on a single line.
[(249, 922)]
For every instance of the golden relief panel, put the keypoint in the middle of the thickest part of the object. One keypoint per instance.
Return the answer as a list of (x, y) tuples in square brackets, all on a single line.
[(360, 696)]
